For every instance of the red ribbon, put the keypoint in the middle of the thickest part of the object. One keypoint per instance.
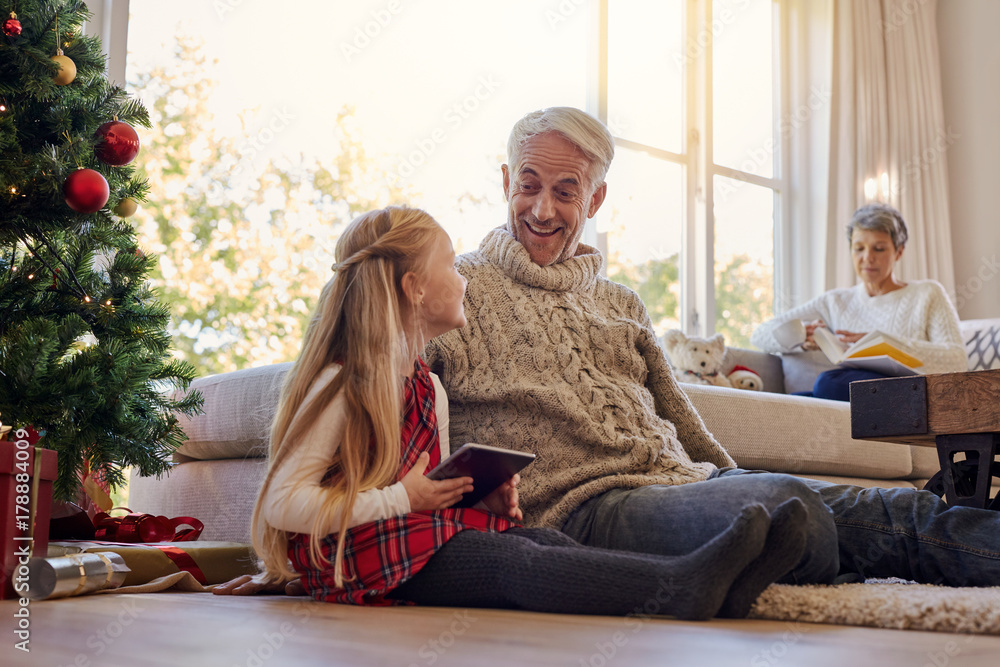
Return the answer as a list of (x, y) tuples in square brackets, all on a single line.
[(136, 527), (182, 560)]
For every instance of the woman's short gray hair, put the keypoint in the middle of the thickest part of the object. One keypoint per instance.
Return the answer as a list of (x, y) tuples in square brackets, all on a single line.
[(581, 129), (879, 218)]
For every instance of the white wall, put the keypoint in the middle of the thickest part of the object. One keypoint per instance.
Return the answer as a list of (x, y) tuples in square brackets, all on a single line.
[(970, 78)]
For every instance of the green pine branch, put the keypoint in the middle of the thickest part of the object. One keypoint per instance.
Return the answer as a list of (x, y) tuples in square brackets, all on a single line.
[(85, 355)]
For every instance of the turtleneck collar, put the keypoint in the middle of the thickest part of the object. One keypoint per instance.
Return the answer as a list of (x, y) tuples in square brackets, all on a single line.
[(576, 273)]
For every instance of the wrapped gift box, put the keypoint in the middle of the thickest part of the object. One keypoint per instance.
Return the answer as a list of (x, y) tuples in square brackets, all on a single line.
[(17, 462), (209, 562)]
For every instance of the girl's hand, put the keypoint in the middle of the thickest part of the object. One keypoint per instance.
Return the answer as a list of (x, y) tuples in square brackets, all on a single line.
[(810, 343), (504, 499), (849, 337), (247, 585), (428, 494)]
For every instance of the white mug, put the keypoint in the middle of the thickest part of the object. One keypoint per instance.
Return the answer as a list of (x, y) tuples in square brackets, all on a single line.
[(790, 334)]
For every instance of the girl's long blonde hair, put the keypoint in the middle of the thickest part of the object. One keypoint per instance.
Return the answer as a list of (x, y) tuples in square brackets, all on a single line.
[(359, 324)]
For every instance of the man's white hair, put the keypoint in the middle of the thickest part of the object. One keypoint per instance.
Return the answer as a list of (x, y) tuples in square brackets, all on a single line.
[(580, 128)]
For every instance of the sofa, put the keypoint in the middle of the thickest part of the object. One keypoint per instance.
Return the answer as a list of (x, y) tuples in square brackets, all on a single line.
[(218, 470)]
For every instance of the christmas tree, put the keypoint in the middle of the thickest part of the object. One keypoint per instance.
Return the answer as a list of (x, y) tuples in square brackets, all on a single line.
[(84, 350)]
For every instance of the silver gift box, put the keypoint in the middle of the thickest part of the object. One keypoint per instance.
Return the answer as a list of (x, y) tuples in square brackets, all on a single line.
[(76, 574)]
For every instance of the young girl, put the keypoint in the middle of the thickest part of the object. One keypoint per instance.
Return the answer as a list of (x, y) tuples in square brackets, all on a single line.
[(361, 419)]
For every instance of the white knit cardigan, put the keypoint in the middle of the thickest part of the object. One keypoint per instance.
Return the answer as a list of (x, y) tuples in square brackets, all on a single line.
[(919, 313)]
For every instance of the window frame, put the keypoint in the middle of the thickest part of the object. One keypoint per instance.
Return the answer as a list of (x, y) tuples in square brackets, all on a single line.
[(697, 261)]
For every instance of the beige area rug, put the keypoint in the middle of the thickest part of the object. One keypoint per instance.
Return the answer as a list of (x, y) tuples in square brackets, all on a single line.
[(885, 603)]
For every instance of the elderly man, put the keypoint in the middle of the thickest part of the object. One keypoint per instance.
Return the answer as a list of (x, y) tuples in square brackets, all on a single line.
[(561, 362)]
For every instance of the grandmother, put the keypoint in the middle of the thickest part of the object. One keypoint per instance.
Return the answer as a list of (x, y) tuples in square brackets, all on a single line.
[(917, 311)]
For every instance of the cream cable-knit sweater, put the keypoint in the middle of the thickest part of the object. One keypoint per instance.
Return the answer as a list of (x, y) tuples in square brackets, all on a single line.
[(564, 363), (919, 313)]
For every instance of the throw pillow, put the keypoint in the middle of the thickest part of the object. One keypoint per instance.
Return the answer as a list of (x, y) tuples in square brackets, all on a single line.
[(982, 343), (802, 368)]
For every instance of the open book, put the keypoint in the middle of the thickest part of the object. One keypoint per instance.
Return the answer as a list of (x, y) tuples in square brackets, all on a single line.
[(877, 351)]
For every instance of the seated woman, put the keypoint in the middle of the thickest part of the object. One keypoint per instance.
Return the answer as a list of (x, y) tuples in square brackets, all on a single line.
[(917, 311)]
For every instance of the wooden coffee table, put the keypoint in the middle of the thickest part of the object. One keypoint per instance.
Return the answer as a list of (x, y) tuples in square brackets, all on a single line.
[(955, 412)]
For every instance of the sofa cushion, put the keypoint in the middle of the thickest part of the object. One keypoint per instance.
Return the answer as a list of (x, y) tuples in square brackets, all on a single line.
[(238, 410), (794, 434), (767, 366), (802, 368), (863, 481)]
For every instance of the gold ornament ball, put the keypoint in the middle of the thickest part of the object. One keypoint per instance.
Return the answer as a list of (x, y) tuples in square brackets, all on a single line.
[(126, 207), (67, 71)]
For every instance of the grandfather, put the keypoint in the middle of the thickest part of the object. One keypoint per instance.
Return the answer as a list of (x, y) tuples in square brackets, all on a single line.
[(562, 362)]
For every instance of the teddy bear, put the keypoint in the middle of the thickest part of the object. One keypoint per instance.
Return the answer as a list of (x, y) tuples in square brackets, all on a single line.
[(742, 377), (696, 360)]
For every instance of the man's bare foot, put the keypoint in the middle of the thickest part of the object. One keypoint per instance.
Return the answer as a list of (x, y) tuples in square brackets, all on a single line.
[(247, 585)]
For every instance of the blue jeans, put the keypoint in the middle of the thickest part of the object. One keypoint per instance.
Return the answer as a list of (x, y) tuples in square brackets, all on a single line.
[(835, 384), (853, 531)]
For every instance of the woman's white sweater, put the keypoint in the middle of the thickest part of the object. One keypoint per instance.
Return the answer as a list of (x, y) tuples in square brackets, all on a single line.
[(919, 313)]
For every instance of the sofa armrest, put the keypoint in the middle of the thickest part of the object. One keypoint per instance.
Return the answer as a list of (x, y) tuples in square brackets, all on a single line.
[(238, 410), (795, 435)]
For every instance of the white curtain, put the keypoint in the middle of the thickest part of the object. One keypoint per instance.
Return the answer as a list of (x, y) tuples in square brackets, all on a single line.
[(800, 243), (887, 131)]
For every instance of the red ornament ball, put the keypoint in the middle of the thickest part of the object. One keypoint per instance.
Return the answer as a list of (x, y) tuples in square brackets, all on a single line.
[(118, 143), (12, 27), (86, 191)]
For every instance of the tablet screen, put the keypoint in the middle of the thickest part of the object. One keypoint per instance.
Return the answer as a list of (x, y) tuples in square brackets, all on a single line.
[(489, 467)]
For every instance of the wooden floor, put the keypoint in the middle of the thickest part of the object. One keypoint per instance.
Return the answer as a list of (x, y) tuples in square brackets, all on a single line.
[(203, 629)]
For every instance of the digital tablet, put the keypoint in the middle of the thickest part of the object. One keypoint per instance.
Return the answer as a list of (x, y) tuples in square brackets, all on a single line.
[(489, 467)]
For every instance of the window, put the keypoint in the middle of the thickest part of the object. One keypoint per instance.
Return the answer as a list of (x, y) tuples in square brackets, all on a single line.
[(273, 129), (688, 88)]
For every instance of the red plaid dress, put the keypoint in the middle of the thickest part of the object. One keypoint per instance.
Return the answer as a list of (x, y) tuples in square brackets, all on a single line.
[(381, 555)]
